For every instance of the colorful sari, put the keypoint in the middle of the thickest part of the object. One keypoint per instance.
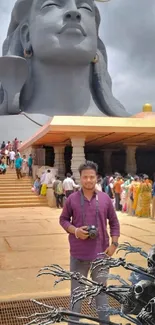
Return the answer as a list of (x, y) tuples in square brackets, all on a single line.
[(143, 208), (135, 192)]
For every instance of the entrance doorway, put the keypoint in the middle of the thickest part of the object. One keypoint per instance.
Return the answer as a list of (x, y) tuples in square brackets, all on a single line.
[(145, 162), (49, 156)]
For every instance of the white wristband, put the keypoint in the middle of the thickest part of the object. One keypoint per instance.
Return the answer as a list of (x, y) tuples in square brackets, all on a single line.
[(76, 233)]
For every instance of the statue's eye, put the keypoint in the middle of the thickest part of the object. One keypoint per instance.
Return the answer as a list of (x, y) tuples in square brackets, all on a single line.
[(86, 7), (49, 4)]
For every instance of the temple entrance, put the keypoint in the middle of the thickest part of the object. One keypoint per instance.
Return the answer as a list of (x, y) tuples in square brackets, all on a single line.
[(118, 162), (145, 161), (49, 156), (96, 155), (68, 158)]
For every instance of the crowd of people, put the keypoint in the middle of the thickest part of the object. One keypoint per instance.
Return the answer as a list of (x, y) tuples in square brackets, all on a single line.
[(131, 195), (61, 190), (11, 157)]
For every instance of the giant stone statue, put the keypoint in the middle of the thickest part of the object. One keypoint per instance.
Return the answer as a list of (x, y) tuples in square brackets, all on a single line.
[(54, 63)]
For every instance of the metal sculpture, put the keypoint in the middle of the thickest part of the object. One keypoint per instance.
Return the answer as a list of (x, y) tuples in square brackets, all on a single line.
[(138, 299), (57, 315), (131, 298), (147, 314), (131, 249), (109, 262)]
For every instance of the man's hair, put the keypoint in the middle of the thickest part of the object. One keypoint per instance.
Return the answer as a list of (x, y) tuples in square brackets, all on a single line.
[(88, 165), (48, 171), (68, 175), (57, 177)]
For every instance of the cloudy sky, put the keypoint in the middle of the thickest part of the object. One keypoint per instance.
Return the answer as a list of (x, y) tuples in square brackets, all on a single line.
[(128, 31)]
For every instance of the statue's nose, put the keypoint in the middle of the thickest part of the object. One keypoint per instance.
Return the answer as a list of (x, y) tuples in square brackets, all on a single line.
[(72, 15)]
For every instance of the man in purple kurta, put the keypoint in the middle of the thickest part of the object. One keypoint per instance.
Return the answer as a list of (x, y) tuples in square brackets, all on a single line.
[(82, 209)]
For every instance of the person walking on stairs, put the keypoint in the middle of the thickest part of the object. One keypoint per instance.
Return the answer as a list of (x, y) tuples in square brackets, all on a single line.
[(30, 162), (58, 192), (18, 166), (12, 158)]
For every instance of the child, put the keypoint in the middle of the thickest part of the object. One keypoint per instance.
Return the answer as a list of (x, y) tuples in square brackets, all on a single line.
[(36, 186)]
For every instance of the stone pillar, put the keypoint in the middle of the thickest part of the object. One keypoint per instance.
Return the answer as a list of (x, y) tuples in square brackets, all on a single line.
[(131, 166), (107, 161), (78, 156), (59, 161)]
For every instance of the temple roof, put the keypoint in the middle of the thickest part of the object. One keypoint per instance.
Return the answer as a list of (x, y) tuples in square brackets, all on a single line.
[(97, 131)]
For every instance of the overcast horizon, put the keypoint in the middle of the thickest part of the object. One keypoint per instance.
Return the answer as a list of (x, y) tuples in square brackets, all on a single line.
[(128, 31)]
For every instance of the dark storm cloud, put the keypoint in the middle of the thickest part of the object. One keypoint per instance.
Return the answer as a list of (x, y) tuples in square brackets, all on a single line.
[(128, 31), (132, 30)]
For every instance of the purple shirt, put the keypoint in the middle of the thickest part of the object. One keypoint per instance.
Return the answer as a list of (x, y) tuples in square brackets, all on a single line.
[(87, 250)]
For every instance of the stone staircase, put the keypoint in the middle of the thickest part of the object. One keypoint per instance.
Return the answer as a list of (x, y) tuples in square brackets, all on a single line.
[(17, 192)]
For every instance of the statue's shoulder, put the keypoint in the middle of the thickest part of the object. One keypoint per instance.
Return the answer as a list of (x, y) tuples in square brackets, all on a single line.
[(13, 75)]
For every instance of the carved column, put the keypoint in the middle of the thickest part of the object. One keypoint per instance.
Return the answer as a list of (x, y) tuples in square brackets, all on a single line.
[(78, 155), (59, 161), (131, 165), (107, 161)]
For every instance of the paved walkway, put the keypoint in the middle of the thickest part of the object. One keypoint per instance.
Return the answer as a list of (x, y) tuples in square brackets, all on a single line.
[(31, 238)]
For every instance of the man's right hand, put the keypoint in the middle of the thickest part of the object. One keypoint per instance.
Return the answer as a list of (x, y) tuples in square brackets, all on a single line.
[(82, 233)]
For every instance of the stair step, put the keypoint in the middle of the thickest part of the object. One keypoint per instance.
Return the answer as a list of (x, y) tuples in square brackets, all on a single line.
[(12, 186), (24, 198), (15, 178), (15, 181), (15, 194), (22, 205), (16, 190), (9, 188)]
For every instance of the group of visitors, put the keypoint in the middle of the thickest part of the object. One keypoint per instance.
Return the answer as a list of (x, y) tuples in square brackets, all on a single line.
[(132, 195), (11, 157), (64, 189), (8, 152), (41, 183), (23, 165), (61, 189)]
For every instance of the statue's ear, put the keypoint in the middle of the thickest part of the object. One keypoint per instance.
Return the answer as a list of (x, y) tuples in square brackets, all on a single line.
[(25, 36)]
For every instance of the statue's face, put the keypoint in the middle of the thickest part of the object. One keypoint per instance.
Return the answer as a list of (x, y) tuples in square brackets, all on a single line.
[(63, 30)]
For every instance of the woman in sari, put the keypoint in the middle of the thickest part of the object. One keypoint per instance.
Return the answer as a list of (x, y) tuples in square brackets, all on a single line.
[(143, 209), (125, 195), (134, 193)]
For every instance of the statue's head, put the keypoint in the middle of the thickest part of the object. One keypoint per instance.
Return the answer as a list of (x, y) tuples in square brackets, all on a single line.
[(62, 32)]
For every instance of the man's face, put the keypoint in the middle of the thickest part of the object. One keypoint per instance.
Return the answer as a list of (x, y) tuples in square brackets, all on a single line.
[(88, 179), (56, 34)]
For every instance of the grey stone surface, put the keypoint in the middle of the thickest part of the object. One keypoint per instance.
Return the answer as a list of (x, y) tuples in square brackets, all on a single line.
[(47, 65), (20, 126)]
